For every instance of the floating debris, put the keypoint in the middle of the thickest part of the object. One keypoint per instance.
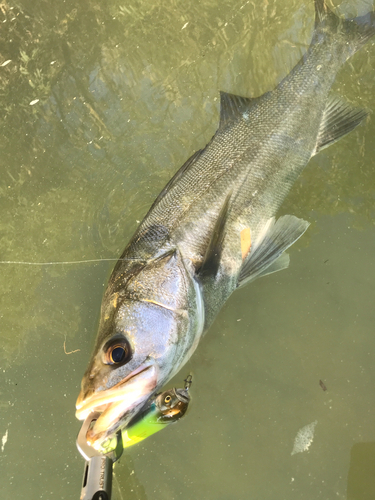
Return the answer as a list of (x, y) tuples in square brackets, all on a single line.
[(34, 102), (304, 438), (4, 440), (6, 62)]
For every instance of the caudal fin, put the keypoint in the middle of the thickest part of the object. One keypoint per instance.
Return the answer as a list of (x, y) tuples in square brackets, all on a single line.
[(352, 33)]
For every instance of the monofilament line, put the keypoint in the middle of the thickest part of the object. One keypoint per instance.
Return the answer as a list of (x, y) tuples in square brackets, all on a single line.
[(25, 263)]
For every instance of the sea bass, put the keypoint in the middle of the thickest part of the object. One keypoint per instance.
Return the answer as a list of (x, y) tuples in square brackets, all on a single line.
[(212, 229)]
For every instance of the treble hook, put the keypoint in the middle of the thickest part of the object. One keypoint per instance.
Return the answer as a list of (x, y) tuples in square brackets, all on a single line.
[(188, 381)]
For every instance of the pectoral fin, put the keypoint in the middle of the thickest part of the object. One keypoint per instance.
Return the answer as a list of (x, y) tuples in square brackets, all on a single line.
[(266, 255), (211, 261)]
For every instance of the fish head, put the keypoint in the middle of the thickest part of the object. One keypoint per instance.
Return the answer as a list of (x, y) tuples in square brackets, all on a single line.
[(138, 349), (117, 381)]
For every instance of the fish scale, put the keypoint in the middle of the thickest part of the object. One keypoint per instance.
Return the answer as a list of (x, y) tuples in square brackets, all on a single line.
[(213, 226)]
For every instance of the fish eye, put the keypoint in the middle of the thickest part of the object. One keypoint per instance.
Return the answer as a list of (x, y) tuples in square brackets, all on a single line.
[(117, 352)]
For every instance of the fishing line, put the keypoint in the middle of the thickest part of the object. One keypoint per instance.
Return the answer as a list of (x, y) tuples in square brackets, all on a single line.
[(25, 263)]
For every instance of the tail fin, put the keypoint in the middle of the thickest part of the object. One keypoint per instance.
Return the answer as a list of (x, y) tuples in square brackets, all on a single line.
[(352, 33)]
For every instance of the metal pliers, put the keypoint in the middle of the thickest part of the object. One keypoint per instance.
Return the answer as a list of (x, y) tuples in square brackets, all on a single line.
[(97, 475)]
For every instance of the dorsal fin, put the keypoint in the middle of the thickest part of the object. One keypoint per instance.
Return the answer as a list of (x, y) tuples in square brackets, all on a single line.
[(176, 177), (211, 261), (232, 107)]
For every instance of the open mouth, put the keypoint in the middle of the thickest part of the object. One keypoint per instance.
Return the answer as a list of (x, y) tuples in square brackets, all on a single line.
[(114, 403)]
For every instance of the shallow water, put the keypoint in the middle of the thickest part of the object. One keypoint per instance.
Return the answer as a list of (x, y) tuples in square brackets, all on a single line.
[(127, 92)]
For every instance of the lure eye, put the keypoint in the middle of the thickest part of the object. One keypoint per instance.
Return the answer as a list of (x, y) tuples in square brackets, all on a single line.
[(117, 352), (167, 399)]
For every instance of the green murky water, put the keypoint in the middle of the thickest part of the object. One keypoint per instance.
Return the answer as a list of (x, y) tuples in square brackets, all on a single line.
[(126, 92)]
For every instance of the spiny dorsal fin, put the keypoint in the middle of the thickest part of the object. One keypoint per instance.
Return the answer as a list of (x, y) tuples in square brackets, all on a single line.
[(232, 107), (276, 237), (177, 176), (211, 261), (339, 118)]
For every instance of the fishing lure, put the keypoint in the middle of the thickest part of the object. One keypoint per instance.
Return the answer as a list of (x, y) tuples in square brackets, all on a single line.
[(163, 409)]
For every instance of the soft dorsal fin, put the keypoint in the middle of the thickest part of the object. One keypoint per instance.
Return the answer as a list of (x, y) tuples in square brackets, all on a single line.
[(265, 255), (193, 158), (211, 261), (232, 107), (339, 118)]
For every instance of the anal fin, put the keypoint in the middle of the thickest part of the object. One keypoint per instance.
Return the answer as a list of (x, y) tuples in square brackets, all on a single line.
[(339, 118), (266, 256)]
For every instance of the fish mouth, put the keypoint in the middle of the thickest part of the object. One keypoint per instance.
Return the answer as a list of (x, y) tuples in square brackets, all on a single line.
[(114, 403)]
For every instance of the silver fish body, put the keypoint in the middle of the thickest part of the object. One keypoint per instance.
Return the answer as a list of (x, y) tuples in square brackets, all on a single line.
[(188, 254)]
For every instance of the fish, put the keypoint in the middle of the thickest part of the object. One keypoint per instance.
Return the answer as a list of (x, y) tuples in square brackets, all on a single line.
[(213, 228)]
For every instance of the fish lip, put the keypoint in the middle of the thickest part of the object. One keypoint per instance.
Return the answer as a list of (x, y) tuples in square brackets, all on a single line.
[(101, 400), (121, 402)]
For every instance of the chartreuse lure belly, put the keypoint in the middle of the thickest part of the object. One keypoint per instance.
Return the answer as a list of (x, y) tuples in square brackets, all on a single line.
[(166, 408)]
